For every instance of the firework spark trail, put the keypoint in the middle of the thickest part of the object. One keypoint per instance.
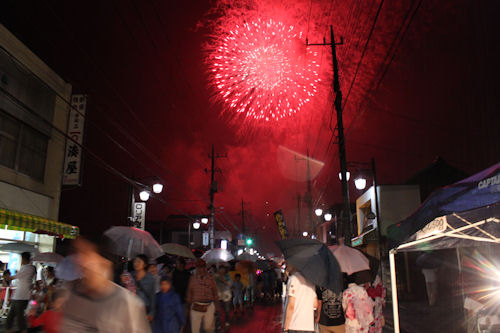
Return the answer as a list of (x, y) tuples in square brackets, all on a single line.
[(262, 69)]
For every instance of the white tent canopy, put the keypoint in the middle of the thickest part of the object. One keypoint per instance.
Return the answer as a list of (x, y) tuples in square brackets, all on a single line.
[(465, 229)]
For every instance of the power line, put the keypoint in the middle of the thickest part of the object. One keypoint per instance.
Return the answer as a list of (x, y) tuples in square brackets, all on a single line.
[(370, 34), (364, 98), (127, 134)]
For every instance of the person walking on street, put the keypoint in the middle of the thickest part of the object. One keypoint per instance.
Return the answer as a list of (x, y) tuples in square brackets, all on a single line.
[(201, 296), (358, 308), (145, 284), (224, 288), (300, 303), (237, 288), (95, 303), (180, 279), (22, 293), (168, 314), (330, 315)]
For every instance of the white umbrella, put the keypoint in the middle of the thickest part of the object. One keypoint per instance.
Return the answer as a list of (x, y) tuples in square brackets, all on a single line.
[(247, 256), (17, 247), (130, 241), (215, 256), (350, 259), (68, 269), (177, 250), (48, 257)]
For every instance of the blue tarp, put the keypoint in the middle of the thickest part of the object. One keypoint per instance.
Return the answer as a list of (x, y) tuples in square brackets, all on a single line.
[(479, 190)]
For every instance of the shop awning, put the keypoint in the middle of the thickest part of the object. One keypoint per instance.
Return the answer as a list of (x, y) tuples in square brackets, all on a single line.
[(24, 222)]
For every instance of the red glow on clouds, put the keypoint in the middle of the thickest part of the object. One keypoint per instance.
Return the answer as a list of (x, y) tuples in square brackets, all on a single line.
[(263, 70)]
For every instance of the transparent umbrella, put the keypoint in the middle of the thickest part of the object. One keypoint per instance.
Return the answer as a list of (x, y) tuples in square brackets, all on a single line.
[(130, 241), (17, 247), (48, 257), (68, 269), (247, 256), (215, 256), (177, 250)]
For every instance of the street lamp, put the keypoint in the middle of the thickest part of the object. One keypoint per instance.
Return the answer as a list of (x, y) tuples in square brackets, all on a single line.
[(360, 183), (305, 233), (196, 225), (144, 195), (328, 217), (157, 188), (204, 220), (348, 175), (318, 212)]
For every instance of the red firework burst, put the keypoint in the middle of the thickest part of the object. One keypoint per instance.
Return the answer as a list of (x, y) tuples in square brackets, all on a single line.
[(262, 69)]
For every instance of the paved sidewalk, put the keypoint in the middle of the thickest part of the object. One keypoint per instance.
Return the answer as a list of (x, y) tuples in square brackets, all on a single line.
[(419, 317)]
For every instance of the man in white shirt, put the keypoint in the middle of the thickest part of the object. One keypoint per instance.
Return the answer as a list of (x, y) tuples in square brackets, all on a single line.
[(300, 303), (22, 293)]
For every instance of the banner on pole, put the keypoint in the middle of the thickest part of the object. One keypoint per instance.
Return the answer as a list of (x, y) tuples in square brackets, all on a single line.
[(73, 152), (280, 221)]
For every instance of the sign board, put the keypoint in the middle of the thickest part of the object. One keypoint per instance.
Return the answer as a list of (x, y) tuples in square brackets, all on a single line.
[(241, 242), (73, 153), (205, 238), (278, 216), (139, 215), (436, 226)]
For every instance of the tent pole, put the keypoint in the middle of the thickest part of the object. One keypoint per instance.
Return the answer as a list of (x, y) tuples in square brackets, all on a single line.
[(394, 290), (460, 278)]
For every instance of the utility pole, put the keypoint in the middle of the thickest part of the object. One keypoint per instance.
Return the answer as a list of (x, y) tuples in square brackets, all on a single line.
[(297, 227), (345, 225), (242, 213), (213, 190), (309, 198)]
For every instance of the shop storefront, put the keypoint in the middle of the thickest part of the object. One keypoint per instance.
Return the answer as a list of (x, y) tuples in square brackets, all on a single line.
[(32, 230)]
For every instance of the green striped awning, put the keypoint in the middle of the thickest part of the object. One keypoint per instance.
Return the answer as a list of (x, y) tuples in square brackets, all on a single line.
[(24, 222)]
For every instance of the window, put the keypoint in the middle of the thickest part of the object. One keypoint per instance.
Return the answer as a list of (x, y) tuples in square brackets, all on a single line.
[(22, 148)]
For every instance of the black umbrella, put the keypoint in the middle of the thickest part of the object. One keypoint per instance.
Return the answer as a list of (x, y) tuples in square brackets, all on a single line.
[(314, 261)]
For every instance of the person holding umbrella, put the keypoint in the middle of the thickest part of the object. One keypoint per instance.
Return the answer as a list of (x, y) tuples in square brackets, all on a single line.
[(300, 303)]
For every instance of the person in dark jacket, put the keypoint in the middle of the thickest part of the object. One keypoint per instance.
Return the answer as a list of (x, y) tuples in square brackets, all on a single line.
[(144, 283), (168, 314)]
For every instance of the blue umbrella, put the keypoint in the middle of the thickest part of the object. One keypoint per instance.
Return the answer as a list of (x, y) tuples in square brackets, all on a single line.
[(314, 261), (68, 269)]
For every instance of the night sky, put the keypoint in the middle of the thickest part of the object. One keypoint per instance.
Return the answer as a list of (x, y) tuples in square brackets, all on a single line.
[(419, 80)]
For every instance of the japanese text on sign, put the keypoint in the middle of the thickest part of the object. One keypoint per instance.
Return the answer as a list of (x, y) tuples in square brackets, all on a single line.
[(73, 152)]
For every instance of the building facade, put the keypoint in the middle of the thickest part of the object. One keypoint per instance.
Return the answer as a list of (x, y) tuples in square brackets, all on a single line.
[(33, 119)]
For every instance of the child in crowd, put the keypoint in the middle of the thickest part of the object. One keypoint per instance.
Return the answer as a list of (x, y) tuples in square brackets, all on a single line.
[(50, 320), (237, 288), (168, 314)]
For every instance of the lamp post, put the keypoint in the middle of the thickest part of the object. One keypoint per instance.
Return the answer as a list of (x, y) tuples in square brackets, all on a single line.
[(326, 216), (361, 168), (137, 210)]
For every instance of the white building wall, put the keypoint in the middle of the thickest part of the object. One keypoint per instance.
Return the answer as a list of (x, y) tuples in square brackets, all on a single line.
[(18, 191)]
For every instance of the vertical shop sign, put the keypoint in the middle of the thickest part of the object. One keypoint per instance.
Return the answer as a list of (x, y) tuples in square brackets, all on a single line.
[(73, 154)]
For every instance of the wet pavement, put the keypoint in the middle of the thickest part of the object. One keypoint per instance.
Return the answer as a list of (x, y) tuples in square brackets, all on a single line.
[(263, 319)]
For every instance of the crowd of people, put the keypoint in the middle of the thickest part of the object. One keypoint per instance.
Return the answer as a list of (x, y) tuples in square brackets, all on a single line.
[(115, 296), (357, 309), (160, 298)]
